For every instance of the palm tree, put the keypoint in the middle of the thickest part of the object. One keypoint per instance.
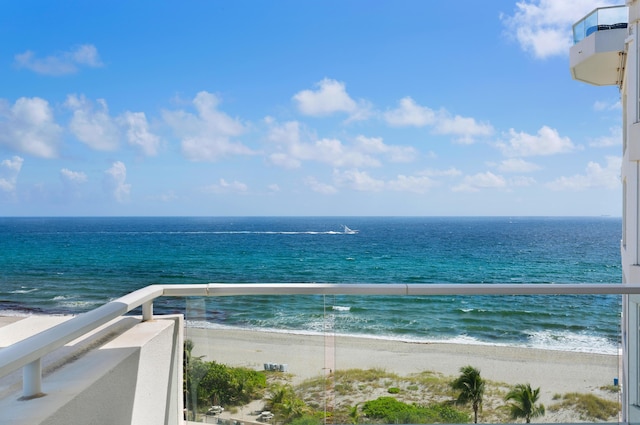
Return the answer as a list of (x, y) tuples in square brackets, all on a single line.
[(524, 402), (471, 387)]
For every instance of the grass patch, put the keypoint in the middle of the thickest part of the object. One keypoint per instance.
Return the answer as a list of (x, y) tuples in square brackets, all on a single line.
[(364, 375), (589, 406), (611, 388)]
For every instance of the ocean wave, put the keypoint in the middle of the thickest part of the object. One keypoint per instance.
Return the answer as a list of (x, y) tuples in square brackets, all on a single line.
[(23, 291), (571, 341), (341, 308), (78, 304)]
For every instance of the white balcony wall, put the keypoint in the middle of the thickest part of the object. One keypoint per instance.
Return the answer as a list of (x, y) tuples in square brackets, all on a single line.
[(122, 375)]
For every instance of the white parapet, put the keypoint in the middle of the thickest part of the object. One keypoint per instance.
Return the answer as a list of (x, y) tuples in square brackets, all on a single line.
[(129, 372)]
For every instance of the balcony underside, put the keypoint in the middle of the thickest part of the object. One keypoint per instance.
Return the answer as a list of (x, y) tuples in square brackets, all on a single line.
[(598, 59)]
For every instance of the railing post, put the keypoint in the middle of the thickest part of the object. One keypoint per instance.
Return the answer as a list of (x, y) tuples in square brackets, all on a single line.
[(32, 379), (147, 311)]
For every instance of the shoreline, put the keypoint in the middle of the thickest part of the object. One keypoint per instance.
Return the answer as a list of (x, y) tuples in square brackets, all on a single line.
[(459, 340), (309, 356)]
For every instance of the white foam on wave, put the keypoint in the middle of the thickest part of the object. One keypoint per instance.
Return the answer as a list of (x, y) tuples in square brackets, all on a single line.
[(571, 341), (341, 308), (23, 290), (66, 303)]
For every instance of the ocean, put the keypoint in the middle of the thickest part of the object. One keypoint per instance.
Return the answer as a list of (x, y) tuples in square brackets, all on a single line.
[(72, 265)]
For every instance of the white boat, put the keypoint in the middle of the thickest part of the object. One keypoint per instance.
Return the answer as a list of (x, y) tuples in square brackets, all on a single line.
[(348, 231)]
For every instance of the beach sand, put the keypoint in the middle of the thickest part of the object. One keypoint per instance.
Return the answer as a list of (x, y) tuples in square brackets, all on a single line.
[(555, 372)]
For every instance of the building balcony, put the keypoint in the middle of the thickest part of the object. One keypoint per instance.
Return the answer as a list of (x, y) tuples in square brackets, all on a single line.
[(117, 368), (597, 54)]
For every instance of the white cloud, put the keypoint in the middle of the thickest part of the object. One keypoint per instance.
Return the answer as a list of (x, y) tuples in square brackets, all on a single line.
[(358, 180), (319, 187), (115, 182), (284, 160), (138, 134), (595, 176), (94, 127), (329, 98), (207, 135), (479, 181), (450, 172), (375, 145), (544, 27), (73, 177), (166, 197), (521, 181), (410, 114), (464, 129), (607, 105), (546, 142), (226, 187), (61, 63), (291, 150), (614, 138), (362, 181), (72, 182), (28, 127), (517, 165), (9, 171), (415, 184)]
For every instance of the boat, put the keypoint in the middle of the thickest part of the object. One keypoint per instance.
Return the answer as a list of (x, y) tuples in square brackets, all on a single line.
[(348, 231)]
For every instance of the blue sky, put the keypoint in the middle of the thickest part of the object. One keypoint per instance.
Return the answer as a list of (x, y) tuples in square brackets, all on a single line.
[(325, 107)]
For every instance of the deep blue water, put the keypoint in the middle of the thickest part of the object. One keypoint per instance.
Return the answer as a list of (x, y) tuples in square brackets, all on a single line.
[(70, 265)]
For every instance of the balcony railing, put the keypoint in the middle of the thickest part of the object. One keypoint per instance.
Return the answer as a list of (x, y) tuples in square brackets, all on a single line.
[(604, 18), (27, 354)]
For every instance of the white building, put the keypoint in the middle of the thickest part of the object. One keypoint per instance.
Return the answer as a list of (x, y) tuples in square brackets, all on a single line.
[(607, 52)]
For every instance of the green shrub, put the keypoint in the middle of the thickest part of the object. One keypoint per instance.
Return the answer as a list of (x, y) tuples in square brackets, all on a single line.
[(390, 410), (230, 386), (307, 420), (384, 408), (393, 390)]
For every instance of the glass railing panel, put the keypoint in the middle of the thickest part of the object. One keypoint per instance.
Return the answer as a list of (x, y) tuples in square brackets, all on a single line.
[(591, 23), (380, 359), (578, 31), (601, 19), (613, 15)]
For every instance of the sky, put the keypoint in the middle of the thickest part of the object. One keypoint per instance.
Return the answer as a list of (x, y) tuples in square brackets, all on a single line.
[(302, 108)]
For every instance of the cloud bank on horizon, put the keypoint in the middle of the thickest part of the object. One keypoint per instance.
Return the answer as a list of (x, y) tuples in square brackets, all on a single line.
[(76, 138)]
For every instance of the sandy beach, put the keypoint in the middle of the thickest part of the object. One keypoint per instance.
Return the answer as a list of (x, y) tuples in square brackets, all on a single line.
[(555, 372)]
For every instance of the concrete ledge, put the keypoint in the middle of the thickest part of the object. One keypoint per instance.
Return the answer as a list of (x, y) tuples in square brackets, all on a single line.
[(126, 372)]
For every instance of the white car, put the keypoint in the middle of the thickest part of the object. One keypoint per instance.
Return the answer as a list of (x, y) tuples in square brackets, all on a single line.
[(266, 416), (214, 410)]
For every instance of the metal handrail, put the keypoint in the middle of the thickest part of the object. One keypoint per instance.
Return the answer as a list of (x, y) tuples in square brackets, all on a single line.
[(28, 353)]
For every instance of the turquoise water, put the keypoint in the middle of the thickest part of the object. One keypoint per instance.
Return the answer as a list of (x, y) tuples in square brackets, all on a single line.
[(71, 265)]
